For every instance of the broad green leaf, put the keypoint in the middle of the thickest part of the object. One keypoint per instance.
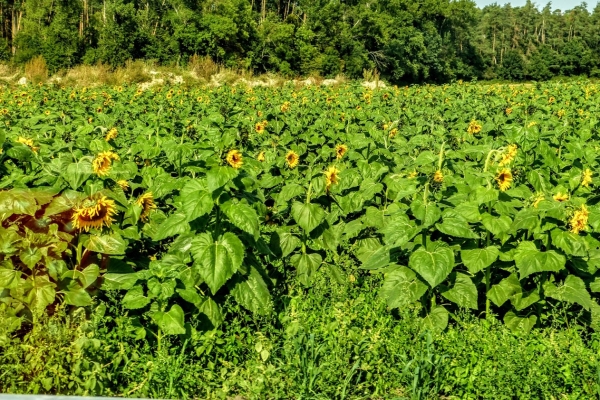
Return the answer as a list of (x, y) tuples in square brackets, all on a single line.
[(77, 296), (401, 287), (112, 244), (478, 259), (9, 278), (569, 243), (175, 224), (504, 290), (197, 200), (41, 293), (463, 293), (526, 219), (436, 320), (134, 298), (519, 324), (457, 228), (171, 322), (77, 173), (306, 266), (573, 290), (308, 216), (428, 213), (217, 261), (398, 230), (113, 281), (30, 256), (219, 176), (530, 260), (252, 292), (283, 243), (212, 311), (89, 275), (496, 224), (243, 216), (377, 259), (433, 263)]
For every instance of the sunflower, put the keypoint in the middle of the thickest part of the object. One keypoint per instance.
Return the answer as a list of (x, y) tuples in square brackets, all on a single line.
[(123, 184), (261, 156), (560, 197), (509, 154), (111, 134), (292, 159), (551, 100), (103, 161), (504, 179), (561, 113), (260, 127), (579, 220), (586, 178), (146, 201), (340, 150), (508, 111), (414, 174), (285, 107), (94, 212), (538, 199), (28, 143), (331, 177), (234, 158), (393, 132), (474, 127), (99, 110), (47, 112), (438, 176)]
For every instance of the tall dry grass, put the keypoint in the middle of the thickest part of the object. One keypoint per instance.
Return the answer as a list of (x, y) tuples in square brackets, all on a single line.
[(36, 70)]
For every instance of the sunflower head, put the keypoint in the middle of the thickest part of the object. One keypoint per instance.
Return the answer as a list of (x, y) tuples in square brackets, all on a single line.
[(474, 127), (508, 111), (123, 184), (234, 158), (509, 154), (331, 177), (340, 150), (111, 134), (285, 107), (261, 156), (103, 162), (561, 113), (586, 178), (146, 201), (292, 159), (28, 143), (504, 179), (538, 199), (259, 127), (438, 177), (94, 212), (579, 220), (393, 132), (560, 197)]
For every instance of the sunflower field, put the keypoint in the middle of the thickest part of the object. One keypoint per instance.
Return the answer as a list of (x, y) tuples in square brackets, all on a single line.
[(463, 196)]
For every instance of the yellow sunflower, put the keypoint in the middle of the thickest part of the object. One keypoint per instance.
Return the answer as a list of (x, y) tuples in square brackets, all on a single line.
[(508, 111), (340, 150), (586, 178), (111, 134), (560, 197), (261, 156), (538, 199), (28, 143), (259, 127), (94, 212), (285, 107), (234, 158), (393, 132), (579, 220), (438, 176), (292, 159), (103, 161), (146, 201), (123, 184), (509, 154), (331, 177), (504, 179), (474, 127)]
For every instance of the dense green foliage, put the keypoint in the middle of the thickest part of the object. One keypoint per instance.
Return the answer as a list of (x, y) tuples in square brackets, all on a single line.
[(405, 40), (332, 342)]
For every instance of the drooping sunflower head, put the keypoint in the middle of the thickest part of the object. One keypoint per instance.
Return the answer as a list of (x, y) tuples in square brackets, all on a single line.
[(509, 154), (28, 143), (111, 134), (331, 177), (235, 159), (393, 132), (579, 220), (94, 212), (285, 107), (261, 156), (508, 111), (504, 179), (123, 184), (474, 127), (586, 178), (340, 150), (146, 201), (103, 162), (561, 113), (292, 159), (438, 176), (538, 199), (560, 197)]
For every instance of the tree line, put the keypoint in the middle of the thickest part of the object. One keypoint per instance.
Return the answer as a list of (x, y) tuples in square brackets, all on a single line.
[(404, 40)]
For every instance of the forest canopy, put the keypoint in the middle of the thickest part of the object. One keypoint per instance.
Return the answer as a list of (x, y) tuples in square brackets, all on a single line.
[(406, 41)]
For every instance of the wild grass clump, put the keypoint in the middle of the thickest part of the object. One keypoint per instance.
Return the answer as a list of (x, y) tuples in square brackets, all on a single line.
[(36, 70)]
